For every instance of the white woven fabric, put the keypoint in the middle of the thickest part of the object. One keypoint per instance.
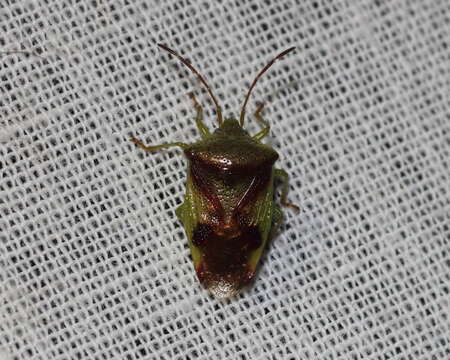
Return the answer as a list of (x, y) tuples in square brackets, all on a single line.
[(94, 263)]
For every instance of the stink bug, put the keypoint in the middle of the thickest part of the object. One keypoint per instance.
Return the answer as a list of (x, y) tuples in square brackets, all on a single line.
[(228, 211)]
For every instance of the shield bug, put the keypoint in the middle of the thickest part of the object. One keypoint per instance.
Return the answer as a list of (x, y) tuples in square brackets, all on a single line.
[(228, 210)]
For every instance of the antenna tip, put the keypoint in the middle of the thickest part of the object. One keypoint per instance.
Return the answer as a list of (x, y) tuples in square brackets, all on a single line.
[(287, 51)]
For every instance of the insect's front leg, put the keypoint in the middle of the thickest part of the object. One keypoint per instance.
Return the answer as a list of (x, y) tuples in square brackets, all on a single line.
[(283, 175), (156, 147), (204, 131), (264, 132)]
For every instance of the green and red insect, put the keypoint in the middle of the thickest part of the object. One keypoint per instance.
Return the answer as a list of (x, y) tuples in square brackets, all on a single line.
[(229, 208)]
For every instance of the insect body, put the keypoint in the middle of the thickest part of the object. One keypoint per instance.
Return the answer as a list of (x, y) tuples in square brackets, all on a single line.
[(228, 211)]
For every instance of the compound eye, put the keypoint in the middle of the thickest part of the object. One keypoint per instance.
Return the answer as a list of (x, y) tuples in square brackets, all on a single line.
[(201, 234)]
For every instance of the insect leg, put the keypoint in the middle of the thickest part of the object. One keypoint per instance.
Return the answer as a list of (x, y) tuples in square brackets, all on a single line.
[(264, 132), (157, 147), (204, 132), (283, 175)]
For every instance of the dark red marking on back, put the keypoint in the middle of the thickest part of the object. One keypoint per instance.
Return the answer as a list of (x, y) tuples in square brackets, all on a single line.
[(200, 179), (225, 259), (201, 234), (216, 159)]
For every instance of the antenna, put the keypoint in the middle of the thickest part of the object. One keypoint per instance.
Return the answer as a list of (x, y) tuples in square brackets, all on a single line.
[(279, 56), (185, 62)]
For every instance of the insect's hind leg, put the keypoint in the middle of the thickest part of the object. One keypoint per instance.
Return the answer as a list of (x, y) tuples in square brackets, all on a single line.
[(264, 132), (283, 175), (204, 131)]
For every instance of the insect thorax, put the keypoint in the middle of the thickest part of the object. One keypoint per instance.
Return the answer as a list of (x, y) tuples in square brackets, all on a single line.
[(231, 150)]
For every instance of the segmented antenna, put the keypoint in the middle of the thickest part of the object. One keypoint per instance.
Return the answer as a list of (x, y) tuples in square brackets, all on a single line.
[(279, 56), (185, 62)]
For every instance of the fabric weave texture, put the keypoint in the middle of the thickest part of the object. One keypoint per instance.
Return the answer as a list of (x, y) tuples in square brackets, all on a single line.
[(93, 261)]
